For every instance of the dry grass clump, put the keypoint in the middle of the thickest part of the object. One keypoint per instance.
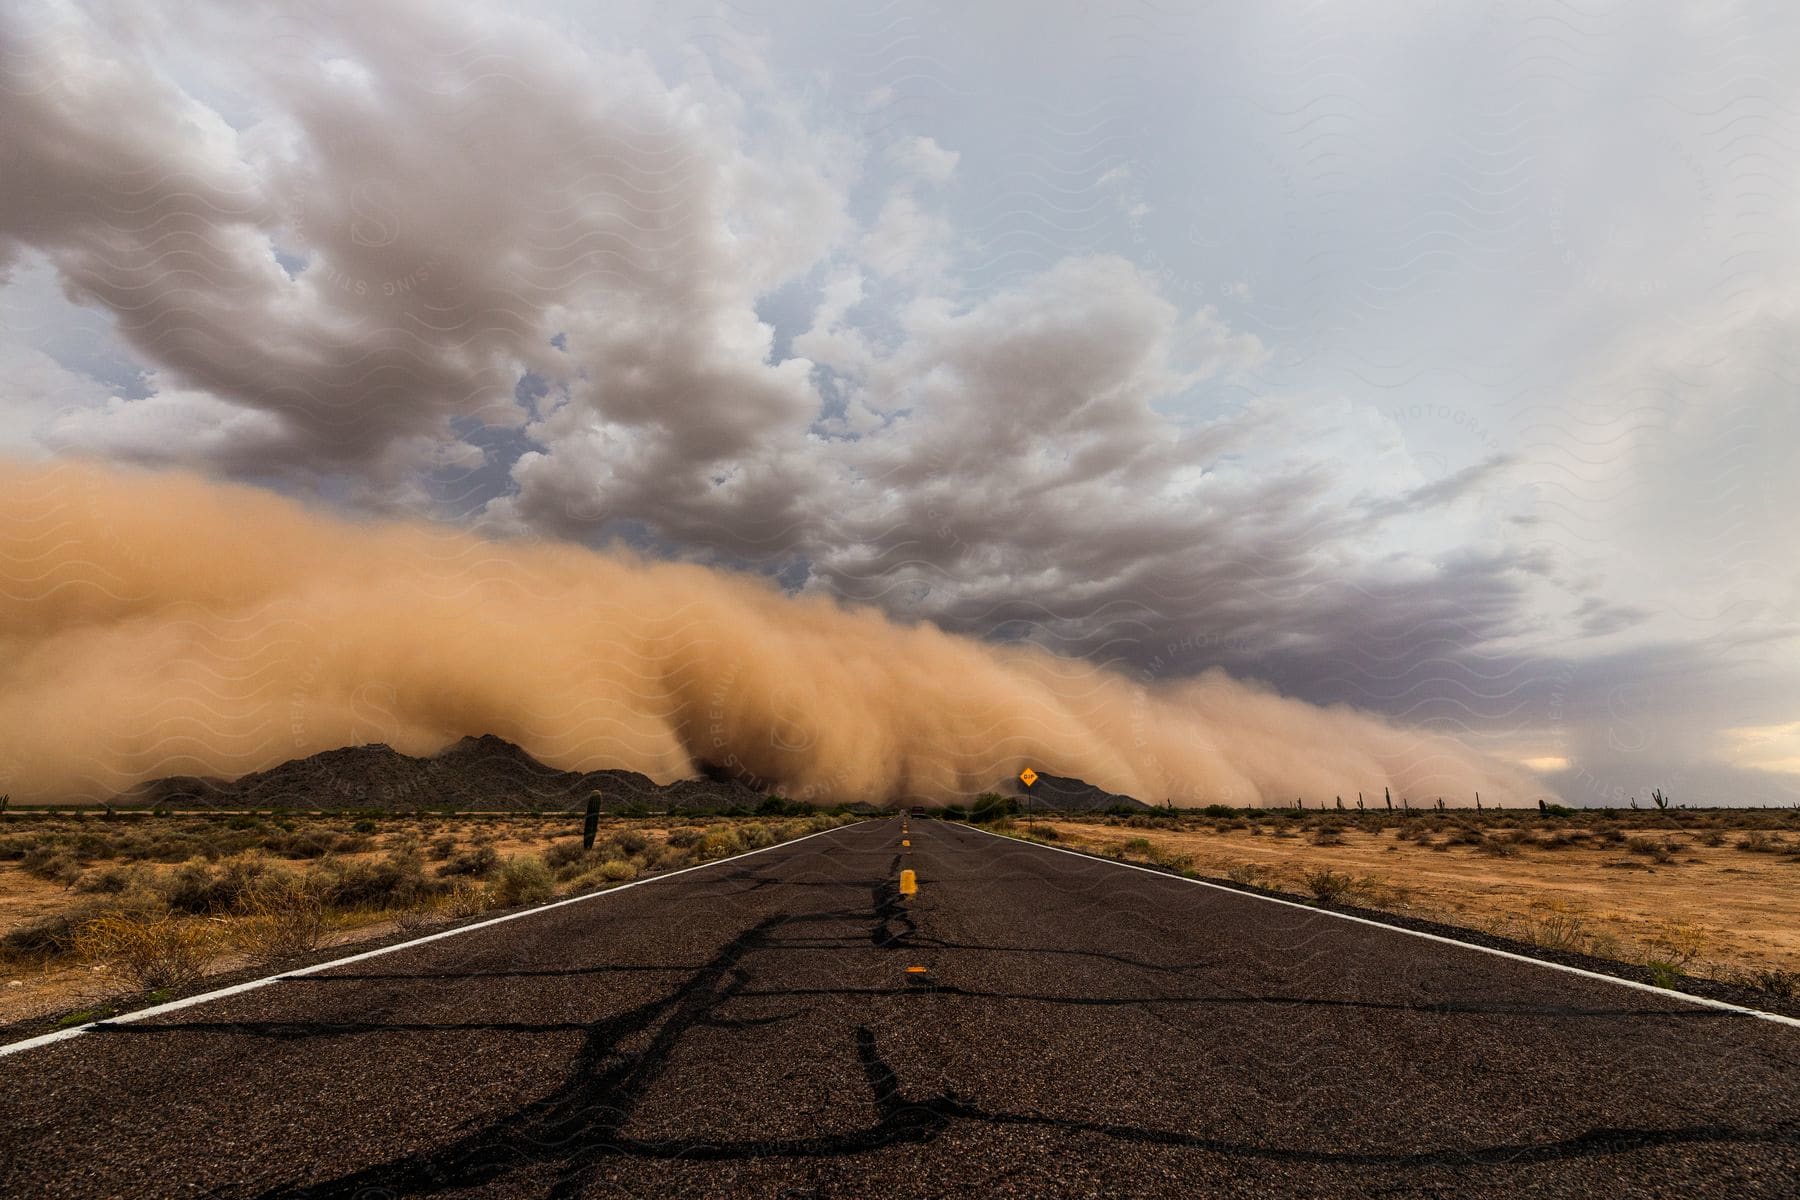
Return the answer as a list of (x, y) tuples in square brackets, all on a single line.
[(524, 880), (286, 918), (1327, 885), (1557, 926), (477, 861), (613, 870), (1245, 874), (150, 953)]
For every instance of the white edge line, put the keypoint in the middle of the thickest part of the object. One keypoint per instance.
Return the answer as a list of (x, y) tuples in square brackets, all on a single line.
[(45, 1039), (1666, 993)]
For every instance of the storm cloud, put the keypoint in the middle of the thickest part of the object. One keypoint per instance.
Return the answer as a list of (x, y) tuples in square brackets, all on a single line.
[(1016, 353)]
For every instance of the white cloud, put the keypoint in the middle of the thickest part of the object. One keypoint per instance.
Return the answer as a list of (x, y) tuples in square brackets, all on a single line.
[(923, 158)]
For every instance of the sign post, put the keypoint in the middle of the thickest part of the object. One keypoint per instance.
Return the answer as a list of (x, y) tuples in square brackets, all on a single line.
[(1028, 777)]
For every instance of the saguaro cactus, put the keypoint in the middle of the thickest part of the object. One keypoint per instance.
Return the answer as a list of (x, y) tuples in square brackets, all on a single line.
[(591, 826)]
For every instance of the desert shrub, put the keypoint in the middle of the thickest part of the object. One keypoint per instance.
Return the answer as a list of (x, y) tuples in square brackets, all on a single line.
[(197, 887), (45, 937), (1556, 928), (170, 848), (1714, 838), (310, 843), (396, 881), (1379, 893), (990, 807), (1758, 842), (670, 858), (466, 899), (1327, 885), (285, 917), (363, 826), (443, 847), (1247, 874), (1138, 846), (113, 880), (49, 863), (150, 953), (1779, 983), (1672, 946), (414, 921), (755, 837), (562, 854), (719, 842), (92, 845), (1047, 834), (614, 870), (476, 861), (524, 880), (685, 838), (1498, 847), (1219, 810)]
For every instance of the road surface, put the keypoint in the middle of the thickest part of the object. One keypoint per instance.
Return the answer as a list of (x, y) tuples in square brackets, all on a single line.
[(753, 1029)]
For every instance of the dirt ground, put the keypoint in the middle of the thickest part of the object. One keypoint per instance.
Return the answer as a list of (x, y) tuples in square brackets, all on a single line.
[(1718, 911)]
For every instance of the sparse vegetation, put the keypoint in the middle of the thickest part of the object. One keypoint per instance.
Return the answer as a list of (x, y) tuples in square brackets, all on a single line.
[(1515, 872), (524, 880), (1327, 886), (284, 918), (149, 953), (158, 902)]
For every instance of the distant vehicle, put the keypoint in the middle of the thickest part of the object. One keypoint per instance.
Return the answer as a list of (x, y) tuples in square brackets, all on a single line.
[(918, 810)]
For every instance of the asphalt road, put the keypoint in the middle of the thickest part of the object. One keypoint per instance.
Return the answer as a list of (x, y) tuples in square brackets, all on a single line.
[(751, 1029)]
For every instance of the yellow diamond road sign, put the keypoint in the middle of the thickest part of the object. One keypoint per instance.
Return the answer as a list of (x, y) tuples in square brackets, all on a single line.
[(1028, 777)]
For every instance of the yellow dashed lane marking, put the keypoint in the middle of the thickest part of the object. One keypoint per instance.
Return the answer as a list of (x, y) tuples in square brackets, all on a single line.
[(915, 970), (909, 883)]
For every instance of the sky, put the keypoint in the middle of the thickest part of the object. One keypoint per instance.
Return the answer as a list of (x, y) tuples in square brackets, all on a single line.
[(1426, 357)]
